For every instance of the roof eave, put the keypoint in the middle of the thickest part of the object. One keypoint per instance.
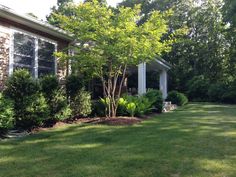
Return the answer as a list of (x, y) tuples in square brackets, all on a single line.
[(34, 23), (163, 62)]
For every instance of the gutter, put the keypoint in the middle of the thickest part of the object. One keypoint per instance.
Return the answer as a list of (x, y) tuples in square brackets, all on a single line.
[(36, 24)]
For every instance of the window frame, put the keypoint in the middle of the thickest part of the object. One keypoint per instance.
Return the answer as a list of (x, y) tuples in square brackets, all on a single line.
[(36, 39)]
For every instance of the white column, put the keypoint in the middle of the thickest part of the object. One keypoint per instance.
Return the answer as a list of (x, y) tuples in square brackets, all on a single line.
[(163, 83), (142, 78)]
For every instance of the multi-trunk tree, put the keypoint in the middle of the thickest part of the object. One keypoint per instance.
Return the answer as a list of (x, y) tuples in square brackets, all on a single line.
[(107, 42)]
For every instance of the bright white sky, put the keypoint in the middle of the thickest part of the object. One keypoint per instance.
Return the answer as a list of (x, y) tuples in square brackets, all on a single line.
[(40, 8)]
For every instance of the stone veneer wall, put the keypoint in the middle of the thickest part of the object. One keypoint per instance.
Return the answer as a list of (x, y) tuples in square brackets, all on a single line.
[(4, 55)]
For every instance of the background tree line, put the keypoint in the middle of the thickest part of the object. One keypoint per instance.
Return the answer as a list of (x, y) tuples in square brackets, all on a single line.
[(203, 57)]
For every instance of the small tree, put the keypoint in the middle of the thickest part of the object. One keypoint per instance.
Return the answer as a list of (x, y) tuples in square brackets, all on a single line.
[(109, 41)]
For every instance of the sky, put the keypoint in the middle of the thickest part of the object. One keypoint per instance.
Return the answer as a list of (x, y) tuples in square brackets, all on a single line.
[(40, 8)]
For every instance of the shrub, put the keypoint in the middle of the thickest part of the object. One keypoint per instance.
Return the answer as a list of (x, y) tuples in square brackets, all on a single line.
[(19, 85), (216, 91), (81, 104), (98, 108), (155, 97), (177, 98), (49, 84), (198, 88), (73, 85), (58, 106), (122, 109), (56, 99), (29, 105), (131, 108), (6, 114), (35, 111), (128, 105), (142, 105), (230, 95)]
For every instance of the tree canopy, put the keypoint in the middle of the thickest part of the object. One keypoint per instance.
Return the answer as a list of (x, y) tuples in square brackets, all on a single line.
[(108, 41)]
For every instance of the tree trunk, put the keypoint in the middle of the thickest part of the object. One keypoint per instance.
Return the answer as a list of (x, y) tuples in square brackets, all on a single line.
[(110, 86)]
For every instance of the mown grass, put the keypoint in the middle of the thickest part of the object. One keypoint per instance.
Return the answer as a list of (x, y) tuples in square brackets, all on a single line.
[(198, 140)]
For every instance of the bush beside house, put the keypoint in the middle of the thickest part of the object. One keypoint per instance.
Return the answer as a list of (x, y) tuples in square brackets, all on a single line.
[(56, 99), (27, 102), (30, 106), (6, 114)]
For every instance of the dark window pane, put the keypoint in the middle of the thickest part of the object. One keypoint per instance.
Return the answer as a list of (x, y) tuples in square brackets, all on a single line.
[(46, 60), (23, 60), (24, 55), (24, 44), (43, 71), (46, 63)]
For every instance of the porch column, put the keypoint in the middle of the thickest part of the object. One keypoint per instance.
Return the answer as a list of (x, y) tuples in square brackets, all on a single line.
[(142, 78), (163, 83)]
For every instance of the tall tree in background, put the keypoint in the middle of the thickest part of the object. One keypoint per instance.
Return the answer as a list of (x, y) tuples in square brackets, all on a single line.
[(202, 51), (59, 9), (229, 12)]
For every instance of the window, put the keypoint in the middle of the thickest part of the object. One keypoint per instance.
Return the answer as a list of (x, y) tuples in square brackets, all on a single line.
[(24, 52), (32, 53), (46, 60)]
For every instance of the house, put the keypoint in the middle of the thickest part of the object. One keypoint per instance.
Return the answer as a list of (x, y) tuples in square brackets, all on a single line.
[(30, 43)]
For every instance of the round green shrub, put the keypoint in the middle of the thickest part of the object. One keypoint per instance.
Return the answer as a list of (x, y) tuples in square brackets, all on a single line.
[(19, 85), (6, 114), (73, 85), (98, 108), (155, 97), (81, 104), (58, 106), (142, 105), (49, 84), (35, 111), (29, 105), (177, 98), (59, 109)]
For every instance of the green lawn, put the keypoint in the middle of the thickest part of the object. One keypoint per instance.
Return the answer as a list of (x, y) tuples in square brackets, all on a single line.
[(198, 140)]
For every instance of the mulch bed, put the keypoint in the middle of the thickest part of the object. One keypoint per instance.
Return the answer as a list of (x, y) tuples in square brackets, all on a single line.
[(118, 121), (107, 121)]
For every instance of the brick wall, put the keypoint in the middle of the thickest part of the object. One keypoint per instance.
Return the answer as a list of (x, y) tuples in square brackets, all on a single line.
[(4, 55)]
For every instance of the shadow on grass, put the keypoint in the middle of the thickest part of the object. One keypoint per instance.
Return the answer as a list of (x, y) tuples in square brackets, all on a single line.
[(196, 140)]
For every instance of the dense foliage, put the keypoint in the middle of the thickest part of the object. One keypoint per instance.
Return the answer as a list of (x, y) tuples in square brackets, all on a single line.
[(206, 52), (73, 85), (30, 106), (177, 98), (6, 114), (129, 105), (81, 104), (56, 99), (155, 97)]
